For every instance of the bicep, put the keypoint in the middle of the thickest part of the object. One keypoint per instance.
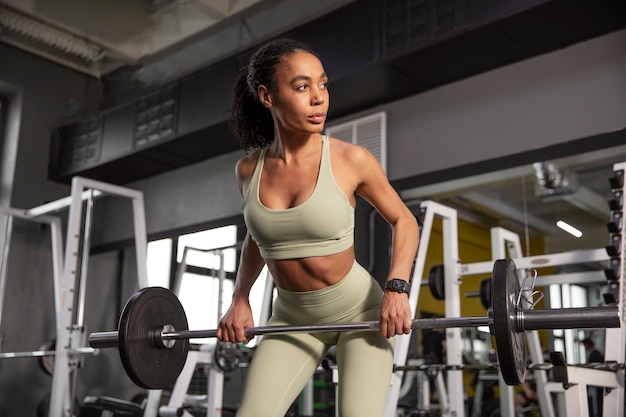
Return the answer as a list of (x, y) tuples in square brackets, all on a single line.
[(374, 187)]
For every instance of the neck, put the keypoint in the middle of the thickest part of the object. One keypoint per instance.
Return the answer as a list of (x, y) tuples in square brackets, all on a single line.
[(289, 147)]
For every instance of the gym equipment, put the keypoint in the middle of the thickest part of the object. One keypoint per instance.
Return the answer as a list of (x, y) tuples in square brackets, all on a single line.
[(46, 354), (153, 321), (436, 284), (228, 356)]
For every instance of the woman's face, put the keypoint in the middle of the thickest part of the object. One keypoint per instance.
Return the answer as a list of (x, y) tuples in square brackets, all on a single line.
[(301, 102)]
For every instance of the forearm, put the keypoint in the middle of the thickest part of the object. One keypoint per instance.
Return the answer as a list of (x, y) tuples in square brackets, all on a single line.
[(250, 265), (405, 240)]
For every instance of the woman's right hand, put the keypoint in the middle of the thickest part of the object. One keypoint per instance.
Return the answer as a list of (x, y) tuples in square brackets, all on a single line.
[(232, 326)]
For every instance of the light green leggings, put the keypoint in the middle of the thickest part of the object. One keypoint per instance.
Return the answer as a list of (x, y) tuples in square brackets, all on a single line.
[(283, 363)]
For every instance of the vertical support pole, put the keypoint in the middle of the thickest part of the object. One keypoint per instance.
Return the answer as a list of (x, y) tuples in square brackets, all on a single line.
[(216, 392), (306, 399), (402, 341), (60, 395), (615, 346), (141, 239), (451, 265), (4, 266)]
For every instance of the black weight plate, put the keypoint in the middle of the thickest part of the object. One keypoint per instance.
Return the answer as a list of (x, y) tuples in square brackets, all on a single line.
[(436, 282), (227, 356), (46, 362), (510, 343), (485, 292), (149, 365)]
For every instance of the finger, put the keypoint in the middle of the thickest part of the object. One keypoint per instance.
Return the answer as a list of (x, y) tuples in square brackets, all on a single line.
[(408, 326), (383, 328), (241, 335)]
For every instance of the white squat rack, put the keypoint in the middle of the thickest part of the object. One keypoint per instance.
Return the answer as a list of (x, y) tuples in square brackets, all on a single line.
[(70, 264)]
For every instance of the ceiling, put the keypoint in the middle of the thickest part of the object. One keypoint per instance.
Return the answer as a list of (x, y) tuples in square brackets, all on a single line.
[(148, 43), (165, 38)]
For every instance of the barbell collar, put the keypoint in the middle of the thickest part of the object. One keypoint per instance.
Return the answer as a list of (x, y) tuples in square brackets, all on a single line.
[(104, 340)]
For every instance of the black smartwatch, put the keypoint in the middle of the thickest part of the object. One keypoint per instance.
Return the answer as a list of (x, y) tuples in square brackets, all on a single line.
[(397, 285)]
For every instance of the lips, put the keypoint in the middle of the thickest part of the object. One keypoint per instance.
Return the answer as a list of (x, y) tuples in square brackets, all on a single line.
[(317, 117)]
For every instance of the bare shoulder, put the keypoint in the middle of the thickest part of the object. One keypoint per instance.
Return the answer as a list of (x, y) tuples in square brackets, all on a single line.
[(245, 166), (351, 153)]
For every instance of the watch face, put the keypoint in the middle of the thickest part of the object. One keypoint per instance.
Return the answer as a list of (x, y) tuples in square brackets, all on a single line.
[(397, 285)]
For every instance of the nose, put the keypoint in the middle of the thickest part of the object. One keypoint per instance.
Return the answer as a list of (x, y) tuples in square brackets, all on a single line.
[(318, 95)]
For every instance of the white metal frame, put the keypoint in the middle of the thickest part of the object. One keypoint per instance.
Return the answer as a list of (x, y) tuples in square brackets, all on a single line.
[(57, 248), (501, 241), (70, 338), (456, 394)]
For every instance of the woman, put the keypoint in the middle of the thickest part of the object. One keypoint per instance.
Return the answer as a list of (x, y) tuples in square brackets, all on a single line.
[(299, 192)]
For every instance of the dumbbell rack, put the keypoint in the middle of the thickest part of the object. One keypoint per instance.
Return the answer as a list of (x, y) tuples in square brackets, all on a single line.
[(573, 381)]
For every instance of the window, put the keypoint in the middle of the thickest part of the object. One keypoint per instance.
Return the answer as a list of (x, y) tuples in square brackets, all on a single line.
[(205, 265), (159, 262), (567, 341)]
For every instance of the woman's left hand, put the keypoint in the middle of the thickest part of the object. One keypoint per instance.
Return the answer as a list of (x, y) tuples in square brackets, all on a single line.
[(395, 314)]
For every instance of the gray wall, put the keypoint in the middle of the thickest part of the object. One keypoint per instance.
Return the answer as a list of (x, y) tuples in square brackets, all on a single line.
[(573, 93)]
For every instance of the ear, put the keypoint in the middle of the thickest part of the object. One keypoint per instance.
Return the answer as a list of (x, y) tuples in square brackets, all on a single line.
[(265, 97)]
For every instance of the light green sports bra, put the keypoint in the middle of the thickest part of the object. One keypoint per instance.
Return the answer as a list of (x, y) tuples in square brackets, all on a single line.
[(322, 225)]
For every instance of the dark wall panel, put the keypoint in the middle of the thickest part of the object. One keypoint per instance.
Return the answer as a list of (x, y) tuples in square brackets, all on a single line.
[(205, 98)]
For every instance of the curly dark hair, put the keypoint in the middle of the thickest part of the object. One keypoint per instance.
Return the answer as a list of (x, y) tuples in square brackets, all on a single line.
[(250, 121)]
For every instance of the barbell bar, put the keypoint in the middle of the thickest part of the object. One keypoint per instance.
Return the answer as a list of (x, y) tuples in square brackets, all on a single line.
[(153, 340), (42, 353)]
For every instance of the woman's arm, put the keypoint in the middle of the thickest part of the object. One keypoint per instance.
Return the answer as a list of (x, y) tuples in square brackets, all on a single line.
[(239, 315), (395, 315)]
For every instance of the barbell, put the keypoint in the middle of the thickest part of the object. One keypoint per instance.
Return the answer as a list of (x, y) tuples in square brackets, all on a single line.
[(153, 340)]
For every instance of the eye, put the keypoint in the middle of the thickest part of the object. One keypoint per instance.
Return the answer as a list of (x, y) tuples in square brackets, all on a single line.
[(302, 87)]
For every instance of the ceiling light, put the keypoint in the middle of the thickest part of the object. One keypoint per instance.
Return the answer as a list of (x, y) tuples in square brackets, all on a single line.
[(550, 180), (569, 228), (44, 39)]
